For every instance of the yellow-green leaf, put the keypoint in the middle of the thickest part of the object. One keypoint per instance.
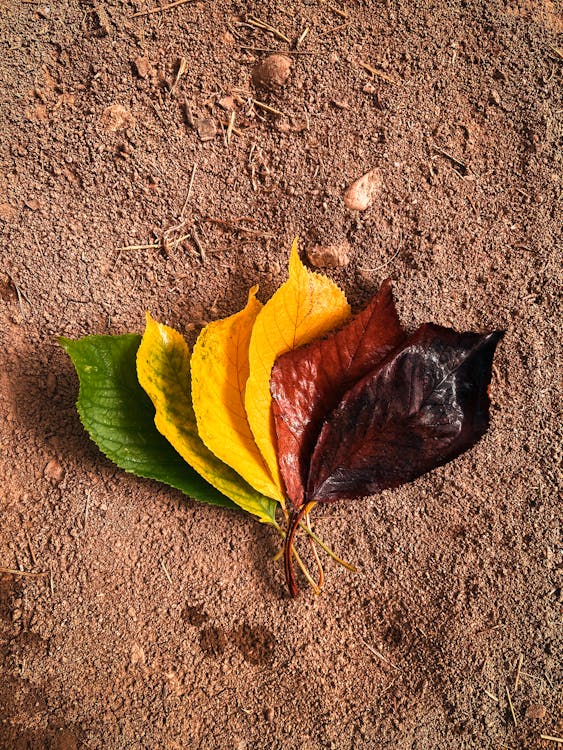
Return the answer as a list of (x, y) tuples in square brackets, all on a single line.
[(163, 370), (219, 368), (306, 306)]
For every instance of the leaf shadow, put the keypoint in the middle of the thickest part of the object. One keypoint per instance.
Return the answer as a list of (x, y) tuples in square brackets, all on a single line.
[(42, 391)]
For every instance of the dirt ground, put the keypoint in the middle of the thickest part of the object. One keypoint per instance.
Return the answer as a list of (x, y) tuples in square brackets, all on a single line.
[(162, 623)]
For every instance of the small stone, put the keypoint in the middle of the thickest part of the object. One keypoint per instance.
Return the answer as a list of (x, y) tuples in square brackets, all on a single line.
[(143, 66), (269, 714), (116, 117), (206, 129), (7, 213), (227, 103), (495, 96), (272, 72), (341, 103), (362, 192), (33, 204), (54, 471), (137, 655), (329, 256), (536, 711)]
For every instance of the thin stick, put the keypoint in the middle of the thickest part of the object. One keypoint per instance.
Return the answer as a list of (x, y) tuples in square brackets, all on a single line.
[(452, 158), (549, 737), (267, 107), (338, 12), (336, 28), (190, 186), (511, 707), (386, 263), (284, 51), (289, 550), (266, 27), (23, 573), (160, 9), (230, 127), (198, 244), (380, 656), (316, 556), (306, 573), (491, 696), (377, 73), (327, 549), (518, 670), (51, 583), (166, 573), (152, 246), (302, 37), (31, 552), (182, 68)]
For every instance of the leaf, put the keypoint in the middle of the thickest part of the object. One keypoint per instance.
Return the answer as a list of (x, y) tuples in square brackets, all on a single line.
[(422, 407), (219, 369), (163, 369), (304, 307), (119, 416), (307, 383)]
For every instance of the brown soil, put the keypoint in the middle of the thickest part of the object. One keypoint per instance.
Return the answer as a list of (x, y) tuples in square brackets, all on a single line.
[(458, 597)]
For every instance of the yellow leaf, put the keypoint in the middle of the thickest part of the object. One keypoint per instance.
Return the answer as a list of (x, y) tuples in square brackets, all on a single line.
[(163, 370), (219, 368), (306, 306)]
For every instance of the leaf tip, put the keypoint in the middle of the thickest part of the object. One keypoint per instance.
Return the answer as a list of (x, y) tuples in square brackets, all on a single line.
[(295, 263)]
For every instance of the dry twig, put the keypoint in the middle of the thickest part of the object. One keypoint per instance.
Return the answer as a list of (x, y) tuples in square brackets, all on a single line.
[(161, 8), (258, 24), (23, 573), (377, 73), (511, 707)]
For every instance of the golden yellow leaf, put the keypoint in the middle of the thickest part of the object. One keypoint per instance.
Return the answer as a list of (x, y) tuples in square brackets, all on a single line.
[(219, 368), (307, 305), (163, 370)]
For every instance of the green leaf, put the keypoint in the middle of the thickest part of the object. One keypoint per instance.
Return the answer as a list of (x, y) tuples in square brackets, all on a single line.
[(119, 416), (163, 369)]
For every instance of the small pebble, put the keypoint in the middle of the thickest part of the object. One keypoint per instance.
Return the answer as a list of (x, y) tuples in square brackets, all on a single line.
[(227, 103), (143, 66), (272, 72), (536, 711), (329, 256), (54, 471), (362, 192), (206, 129), (7, 212), (116, 117)]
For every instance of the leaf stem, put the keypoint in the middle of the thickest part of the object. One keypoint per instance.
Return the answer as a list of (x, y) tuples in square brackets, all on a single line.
[(314, 550), (316, 587), (327, 549), (289, 551)]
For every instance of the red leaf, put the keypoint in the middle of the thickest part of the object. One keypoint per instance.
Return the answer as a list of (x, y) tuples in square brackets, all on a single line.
[(422, 407), (307, 383)]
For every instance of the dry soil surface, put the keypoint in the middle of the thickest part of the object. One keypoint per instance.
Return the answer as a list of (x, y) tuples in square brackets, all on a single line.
[(159, 622)]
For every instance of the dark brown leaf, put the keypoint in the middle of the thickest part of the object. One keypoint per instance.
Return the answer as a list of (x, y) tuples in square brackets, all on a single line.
[(307, 383), (423, 406)]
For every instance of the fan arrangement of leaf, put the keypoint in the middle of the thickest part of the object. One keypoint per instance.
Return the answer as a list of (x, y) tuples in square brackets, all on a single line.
[(292, 401)]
